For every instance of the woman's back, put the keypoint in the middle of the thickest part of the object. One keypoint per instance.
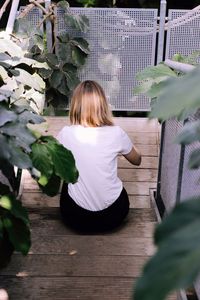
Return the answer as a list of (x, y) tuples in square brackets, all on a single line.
[(95, 150)]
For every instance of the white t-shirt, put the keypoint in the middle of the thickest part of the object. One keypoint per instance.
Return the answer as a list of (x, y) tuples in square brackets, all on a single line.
[(95, 150)]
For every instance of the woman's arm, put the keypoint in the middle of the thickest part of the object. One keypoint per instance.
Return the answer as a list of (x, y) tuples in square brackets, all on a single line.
[(134, 156)]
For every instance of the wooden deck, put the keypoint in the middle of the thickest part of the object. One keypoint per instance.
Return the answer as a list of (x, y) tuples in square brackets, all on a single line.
[(65, 265)]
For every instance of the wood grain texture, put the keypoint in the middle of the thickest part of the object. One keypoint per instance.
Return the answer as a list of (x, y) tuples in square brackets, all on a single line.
[(70, 288), (63, 264), (91, 245), (37, 199), (75, 265)]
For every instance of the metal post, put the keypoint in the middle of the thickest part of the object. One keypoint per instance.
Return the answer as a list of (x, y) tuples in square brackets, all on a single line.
[(158, 198), (48, 28), (161, 36), (12, 16)]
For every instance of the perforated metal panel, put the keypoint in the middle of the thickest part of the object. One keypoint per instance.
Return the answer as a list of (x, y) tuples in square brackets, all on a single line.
[(122, 42), (170, 164), (190, 180), (34, 16), (183, 37)]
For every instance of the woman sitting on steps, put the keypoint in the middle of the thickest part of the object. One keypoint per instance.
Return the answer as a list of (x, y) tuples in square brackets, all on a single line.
[(97, 201)]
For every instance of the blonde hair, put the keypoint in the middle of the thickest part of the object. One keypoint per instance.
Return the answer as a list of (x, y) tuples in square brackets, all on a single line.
[(89, 106)]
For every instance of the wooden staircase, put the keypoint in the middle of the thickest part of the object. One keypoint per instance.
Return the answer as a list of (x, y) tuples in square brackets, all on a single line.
[(65, 265)]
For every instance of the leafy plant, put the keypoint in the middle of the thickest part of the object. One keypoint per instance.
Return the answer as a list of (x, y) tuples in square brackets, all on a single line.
[(67, 56), (22, 147), (176, 262)]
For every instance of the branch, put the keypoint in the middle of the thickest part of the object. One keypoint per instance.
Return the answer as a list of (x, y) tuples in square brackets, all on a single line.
[(37, 3), (3, 9)]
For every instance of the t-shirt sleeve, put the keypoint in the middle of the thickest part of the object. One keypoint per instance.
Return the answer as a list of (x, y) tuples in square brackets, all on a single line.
[(125, 141), (59, 137)]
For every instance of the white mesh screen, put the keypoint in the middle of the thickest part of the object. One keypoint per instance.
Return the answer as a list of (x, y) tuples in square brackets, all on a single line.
[(122, 42), (183, 38), (170, 164)]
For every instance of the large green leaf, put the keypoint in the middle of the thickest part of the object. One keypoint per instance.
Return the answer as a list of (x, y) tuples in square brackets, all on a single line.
[(64, 52), (154, 72), (63, 87), (41, 159), (6, 249), (194, 160), (176, 263), (56, 78), (79, 22), (52, 60), (78, 57), (52, 187), (63, 4), (190, 133), (34, 81), (18, 157), (4, 148), (6, 115), (179, 94), (4, 189), (3, 73), (63, 160), (18, 233), (8, 171), (15, 207), (70, 72), (8, 46), (20, 131), (1, 230), (82, 44)]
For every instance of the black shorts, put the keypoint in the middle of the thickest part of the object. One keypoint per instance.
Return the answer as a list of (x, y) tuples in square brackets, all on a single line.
[(82, 219)]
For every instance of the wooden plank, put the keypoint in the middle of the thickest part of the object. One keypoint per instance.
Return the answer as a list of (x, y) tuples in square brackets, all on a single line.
[(148, 162), (128, 124), (92, 245), (139, 175), (38, 199), (53, 213), (70, 288), (133, 188), (75, 265), (145, 138), (47, 221), (139, 188)]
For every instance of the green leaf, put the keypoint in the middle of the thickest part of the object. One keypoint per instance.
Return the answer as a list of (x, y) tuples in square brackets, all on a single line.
[(82, 44), (176, 263), (70, 72), (34, 81), (8, 46), (15, 207), (6, 115), (4, 189), (64, 52), (28, 116), (52, 60), (154, 72), (194, 160), (52, 187), (18, 157), (178, 94), (81, 22), (1, 230), (190, 133), (20, 131), (63, 5), (42, 161), (4, 148), (63, 87), (56, 79), (6, 249), (18, 233), (78, 57), (64, 162), (8, 171), (3, 73)]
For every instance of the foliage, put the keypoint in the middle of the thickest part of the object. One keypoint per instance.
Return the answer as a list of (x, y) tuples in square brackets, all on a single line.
[(21, 87), (176, 264), (67, 56)]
